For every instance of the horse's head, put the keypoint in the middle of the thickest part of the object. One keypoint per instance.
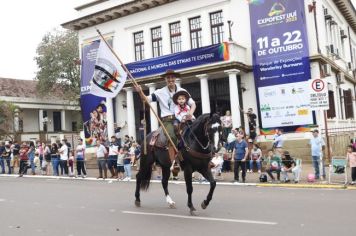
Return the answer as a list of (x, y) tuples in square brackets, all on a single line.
[(214, 131)]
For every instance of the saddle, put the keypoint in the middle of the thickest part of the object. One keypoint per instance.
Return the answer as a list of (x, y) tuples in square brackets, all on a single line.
[(159, 139)]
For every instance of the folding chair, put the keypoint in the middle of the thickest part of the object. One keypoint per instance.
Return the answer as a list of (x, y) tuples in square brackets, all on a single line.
[(338, 167)]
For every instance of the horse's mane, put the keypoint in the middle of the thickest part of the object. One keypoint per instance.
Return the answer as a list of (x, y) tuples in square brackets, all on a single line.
[(200, 121)]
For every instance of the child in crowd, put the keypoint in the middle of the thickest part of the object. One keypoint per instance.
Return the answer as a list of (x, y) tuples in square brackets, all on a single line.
[(71, 164), (351, 158), (273, 165), (255, 156), (120, 164)]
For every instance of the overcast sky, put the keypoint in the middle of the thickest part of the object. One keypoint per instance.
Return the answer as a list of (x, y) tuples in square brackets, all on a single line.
[(23, 24)]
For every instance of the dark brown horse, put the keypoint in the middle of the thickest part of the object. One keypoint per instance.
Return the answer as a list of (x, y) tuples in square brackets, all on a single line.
[(200, 140)]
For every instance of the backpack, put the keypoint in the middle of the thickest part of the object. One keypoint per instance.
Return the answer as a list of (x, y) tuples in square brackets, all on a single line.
[(263, 178)]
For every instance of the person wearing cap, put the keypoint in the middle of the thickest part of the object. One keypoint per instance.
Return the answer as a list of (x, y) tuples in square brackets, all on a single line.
[(181, 110), (164, 97), (317, 146)]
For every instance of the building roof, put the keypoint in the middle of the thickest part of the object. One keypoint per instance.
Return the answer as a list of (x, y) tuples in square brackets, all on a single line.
[(22, 88), (131, 7), (112, 13)]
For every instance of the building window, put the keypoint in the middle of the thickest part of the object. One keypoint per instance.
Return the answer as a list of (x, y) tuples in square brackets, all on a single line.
[(195, 32), (217, 27), (176, 37), (331, 112), (139, 46), (349, 111), (156, 41)]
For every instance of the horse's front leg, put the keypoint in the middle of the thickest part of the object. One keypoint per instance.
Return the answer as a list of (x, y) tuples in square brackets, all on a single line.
[(166, 172), (188, 183), (208, 175)]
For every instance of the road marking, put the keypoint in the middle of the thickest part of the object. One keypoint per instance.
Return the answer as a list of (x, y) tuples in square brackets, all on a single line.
[(201, 218)]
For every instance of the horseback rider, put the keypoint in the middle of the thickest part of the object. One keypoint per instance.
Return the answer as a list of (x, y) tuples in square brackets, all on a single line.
[(164, 97)]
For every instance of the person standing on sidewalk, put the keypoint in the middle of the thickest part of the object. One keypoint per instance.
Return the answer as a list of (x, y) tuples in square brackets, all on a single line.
[(79, 154), (351, 158), (63, 151), (31, 156), (114, 147), (240, 154), (100, 155), (317, 146)]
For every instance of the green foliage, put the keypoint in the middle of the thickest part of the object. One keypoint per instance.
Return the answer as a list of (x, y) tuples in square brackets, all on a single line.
[(57, 57), (7, 110)]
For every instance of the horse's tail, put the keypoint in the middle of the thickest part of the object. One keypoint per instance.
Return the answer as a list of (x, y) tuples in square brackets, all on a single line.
[(145, 171)]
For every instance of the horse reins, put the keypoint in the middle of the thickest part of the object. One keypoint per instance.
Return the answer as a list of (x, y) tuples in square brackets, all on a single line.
[(193, 152)]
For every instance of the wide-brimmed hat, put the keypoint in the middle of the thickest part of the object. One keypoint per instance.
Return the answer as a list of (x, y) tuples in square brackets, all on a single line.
[(179, 93), (170, 72)]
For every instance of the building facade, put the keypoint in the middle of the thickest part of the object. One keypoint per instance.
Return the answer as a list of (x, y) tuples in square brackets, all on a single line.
[(151, 30), (39, 118)]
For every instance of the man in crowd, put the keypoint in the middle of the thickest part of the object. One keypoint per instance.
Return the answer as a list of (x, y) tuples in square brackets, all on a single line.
[(317, 146)]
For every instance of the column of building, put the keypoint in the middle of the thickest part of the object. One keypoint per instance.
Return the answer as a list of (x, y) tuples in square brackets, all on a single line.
[(131, 125), (154, 121)]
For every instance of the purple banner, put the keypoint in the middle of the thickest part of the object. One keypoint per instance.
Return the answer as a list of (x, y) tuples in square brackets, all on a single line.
[(281, 62), (93, 107)]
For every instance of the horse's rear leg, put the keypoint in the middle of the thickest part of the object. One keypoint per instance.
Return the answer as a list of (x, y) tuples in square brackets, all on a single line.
[(166, 172), (137, 192), (188, 183), (208, 175)]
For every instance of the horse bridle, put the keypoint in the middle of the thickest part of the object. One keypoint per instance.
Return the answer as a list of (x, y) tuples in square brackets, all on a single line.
[(193, 152)]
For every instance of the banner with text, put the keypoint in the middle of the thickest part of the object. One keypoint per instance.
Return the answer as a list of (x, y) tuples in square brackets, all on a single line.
[(93, 107), (180, 60), (281, 63)]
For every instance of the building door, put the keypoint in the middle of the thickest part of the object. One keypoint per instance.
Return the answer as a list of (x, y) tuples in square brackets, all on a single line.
[(57, 121)]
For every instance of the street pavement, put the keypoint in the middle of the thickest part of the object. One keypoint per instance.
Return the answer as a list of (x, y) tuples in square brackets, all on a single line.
[(71, 207)]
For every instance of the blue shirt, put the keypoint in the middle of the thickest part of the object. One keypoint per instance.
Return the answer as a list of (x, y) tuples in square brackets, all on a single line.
[(316, 146), (240, 149)]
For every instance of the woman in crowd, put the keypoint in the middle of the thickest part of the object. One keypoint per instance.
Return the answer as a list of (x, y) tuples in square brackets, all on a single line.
[(31, 156), (47, 157), (55, 158)]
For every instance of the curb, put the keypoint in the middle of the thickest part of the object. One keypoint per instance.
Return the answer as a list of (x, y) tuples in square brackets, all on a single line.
[(305, 186), (316, 186)]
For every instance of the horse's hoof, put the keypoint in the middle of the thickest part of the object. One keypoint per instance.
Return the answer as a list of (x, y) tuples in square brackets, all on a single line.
[(203, 205), (172, 205), (137, 203), (192, 208), (192, 212)]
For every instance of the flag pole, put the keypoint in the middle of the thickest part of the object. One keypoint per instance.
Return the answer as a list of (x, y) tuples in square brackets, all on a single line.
[(142, 95)]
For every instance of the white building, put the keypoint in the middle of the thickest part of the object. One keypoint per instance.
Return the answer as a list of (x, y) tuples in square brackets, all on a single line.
[(40, 118), (148, 29)]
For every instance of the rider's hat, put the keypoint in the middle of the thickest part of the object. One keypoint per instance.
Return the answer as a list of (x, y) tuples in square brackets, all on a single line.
[(170, 72), (179, 93)]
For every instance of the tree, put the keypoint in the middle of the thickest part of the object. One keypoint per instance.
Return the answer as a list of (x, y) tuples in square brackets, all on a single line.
[(7, 112), (57, 60)]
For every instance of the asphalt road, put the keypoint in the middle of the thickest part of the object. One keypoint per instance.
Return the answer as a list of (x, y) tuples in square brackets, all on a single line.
[(80, 207)]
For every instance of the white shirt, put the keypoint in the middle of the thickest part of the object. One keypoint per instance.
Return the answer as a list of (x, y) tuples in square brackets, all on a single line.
[(113, 149), (80, 150), (181, 113), (64, 152), (165, 99), (101, 151)]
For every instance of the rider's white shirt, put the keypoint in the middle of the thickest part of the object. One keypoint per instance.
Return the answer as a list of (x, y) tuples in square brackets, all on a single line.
[(165, 100)]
